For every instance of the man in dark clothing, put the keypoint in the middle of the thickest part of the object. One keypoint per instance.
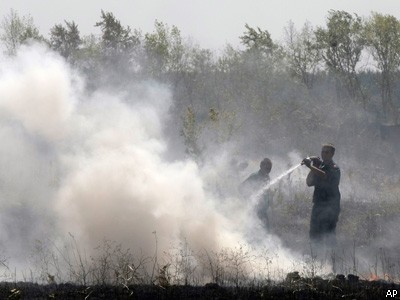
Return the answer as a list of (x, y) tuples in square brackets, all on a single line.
[(253, 184), (325, 177)]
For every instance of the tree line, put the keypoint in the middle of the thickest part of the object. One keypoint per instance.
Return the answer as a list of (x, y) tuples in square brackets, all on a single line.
[(311, 79)]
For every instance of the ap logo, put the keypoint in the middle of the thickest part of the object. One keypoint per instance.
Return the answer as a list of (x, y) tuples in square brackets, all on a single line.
[(391, 293)]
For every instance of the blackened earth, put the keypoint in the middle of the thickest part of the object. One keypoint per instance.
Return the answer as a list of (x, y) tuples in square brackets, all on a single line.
[(294, 287)]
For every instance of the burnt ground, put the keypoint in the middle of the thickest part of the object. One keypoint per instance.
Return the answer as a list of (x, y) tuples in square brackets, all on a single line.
[(294, 287)]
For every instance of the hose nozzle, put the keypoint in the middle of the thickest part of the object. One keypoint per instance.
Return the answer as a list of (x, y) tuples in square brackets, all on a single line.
[(306, 161)]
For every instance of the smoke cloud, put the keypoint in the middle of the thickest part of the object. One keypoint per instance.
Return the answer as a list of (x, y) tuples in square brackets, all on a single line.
[(93, 165)]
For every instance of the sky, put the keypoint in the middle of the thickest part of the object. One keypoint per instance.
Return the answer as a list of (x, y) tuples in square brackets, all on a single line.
[(210, 23)]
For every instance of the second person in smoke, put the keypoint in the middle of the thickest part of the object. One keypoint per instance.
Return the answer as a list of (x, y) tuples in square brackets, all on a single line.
[(325, 177), (253, 184)]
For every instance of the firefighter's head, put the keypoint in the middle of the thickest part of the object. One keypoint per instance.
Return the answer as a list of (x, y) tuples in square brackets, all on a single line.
[(265, 166)]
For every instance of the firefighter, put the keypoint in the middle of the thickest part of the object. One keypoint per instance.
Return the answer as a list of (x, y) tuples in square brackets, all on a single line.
[(253, 184), (324, 176)]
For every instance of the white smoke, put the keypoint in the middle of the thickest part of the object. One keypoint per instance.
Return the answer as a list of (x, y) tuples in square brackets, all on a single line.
[(37, 93), (93, 165)]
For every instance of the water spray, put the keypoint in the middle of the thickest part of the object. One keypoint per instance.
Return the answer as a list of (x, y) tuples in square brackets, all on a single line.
[(262, 190)]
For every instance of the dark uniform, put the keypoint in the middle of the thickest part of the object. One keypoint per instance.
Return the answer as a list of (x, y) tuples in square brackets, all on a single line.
[(326, 208), (250, 187)]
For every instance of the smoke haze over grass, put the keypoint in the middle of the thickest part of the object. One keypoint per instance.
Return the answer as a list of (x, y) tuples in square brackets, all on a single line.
[(92, 164), (113, 153)]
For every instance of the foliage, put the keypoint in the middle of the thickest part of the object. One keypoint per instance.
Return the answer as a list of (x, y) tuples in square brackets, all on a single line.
[(341, 44), (119, 47), (65, 40), (115, 39), (164, 50), (262, 98), (258, 40), (190, 132), (18, 30), (302, 53), (382, 33)]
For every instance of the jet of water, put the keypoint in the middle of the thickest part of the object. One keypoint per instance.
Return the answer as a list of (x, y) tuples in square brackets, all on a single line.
[(262, 190)]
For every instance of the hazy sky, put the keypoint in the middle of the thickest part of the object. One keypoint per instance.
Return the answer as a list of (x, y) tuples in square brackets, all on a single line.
[(211, 23)]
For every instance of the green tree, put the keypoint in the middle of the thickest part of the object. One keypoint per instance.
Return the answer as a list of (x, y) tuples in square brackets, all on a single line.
[(258, 67), (261, 54), (190, 132), (229, 61), (258, 40), (199, 60), (341, 44), (16, 30), (89, 59), (116, 38), (302, 53), (382, 34), (65, 40), (119, 46), (164, 50)]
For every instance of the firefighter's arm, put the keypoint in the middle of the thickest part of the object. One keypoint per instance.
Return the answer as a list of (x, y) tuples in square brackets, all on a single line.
[(310, 179), (313, 169), (316, 171)]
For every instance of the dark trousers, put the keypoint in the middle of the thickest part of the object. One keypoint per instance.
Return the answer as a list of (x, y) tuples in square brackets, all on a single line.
[(323, 224), (262, 212)]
